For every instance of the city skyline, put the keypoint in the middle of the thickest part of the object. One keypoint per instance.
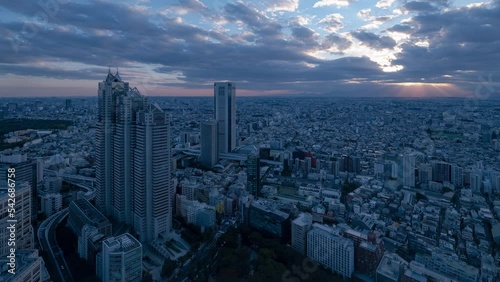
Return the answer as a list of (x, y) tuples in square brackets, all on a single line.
[(346, 48)]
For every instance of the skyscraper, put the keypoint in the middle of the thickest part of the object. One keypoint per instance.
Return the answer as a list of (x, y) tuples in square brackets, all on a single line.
[(121, 259), (133, 159), (253, 174), (409, 170), (225, 115), (151, 172), (209, 154)]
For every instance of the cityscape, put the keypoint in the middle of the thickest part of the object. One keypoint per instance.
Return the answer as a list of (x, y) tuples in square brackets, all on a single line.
[(137, 174)]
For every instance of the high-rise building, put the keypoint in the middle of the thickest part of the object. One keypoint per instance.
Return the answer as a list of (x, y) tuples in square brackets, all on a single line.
[(253, 174), (24, 238), (109, 93), (121, 259), (327, 246), (69, 104), (151, 174), (28, 267), (441, 172), (209, 154), (409, 170), (27, 170), (300, 226), (225, 115), (133, 159)]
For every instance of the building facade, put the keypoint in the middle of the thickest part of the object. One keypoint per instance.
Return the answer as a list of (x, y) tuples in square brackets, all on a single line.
[(225, 115), (121, 259)]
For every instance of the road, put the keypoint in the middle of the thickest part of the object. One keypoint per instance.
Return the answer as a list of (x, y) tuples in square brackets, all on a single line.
[(47, 239)]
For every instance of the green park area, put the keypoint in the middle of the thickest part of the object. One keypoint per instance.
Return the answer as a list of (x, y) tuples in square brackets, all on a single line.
[(10, 125)]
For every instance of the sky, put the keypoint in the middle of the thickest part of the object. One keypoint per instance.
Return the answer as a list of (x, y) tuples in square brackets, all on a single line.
[(353, 48)]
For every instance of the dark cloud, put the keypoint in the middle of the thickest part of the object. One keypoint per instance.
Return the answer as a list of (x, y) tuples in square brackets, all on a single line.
[(415, 6), (265, 55), (374, 41), (334, 40)]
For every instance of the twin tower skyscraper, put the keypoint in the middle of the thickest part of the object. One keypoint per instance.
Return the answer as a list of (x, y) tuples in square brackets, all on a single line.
[(219, 135), (133, 159)]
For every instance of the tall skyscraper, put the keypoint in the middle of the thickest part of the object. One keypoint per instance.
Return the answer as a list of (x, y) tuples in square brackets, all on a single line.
[(225, 115), (253, 174), (409, 170), (209, 154), (121, 259), (133, 159), (151, 172)]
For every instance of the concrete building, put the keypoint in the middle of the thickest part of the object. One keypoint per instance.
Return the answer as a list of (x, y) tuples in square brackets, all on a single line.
[(29, 267), (132, 135), (152, 189), (327, 246), (253, 174), (209, 150), (24, 238), (225, 115), (51, 203), (121, 259), (449, 266), (82, 213), (409, 170), (300, 226), (391, 268), (264, 217)]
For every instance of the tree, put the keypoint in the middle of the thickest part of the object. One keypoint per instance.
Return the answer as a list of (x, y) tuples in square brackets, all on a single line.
[(168, 268)]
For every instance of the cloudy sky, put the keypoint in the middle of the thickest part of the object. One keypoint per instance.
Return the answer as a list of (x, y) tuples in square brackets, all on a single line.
[(362, 48)]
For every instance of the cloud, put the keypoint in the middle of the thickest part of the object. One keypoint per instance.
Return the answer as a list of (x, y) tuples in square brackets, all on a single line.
[(384, 3), (282, 5), (332, 22), (337, 42), (374, 41), (338, 3)]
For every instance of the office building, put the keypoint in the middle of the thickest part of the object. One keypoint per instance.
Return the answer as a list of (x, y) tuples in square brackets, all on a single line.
[(225, 115), (121, 259), (253, 174), (326, 246), (24, 231), (209, 154), (27, 170), (133, 159), (266, 218), (448, 266), (29, 266), (51, 203), (300, 226), (441, 172), (68, 104), (409, 170), (82, 213), (151, 174)]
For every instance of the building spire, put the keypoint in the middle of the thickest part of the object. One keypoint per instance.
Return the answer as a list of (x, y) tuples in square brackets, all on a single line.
[(109, 69)]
